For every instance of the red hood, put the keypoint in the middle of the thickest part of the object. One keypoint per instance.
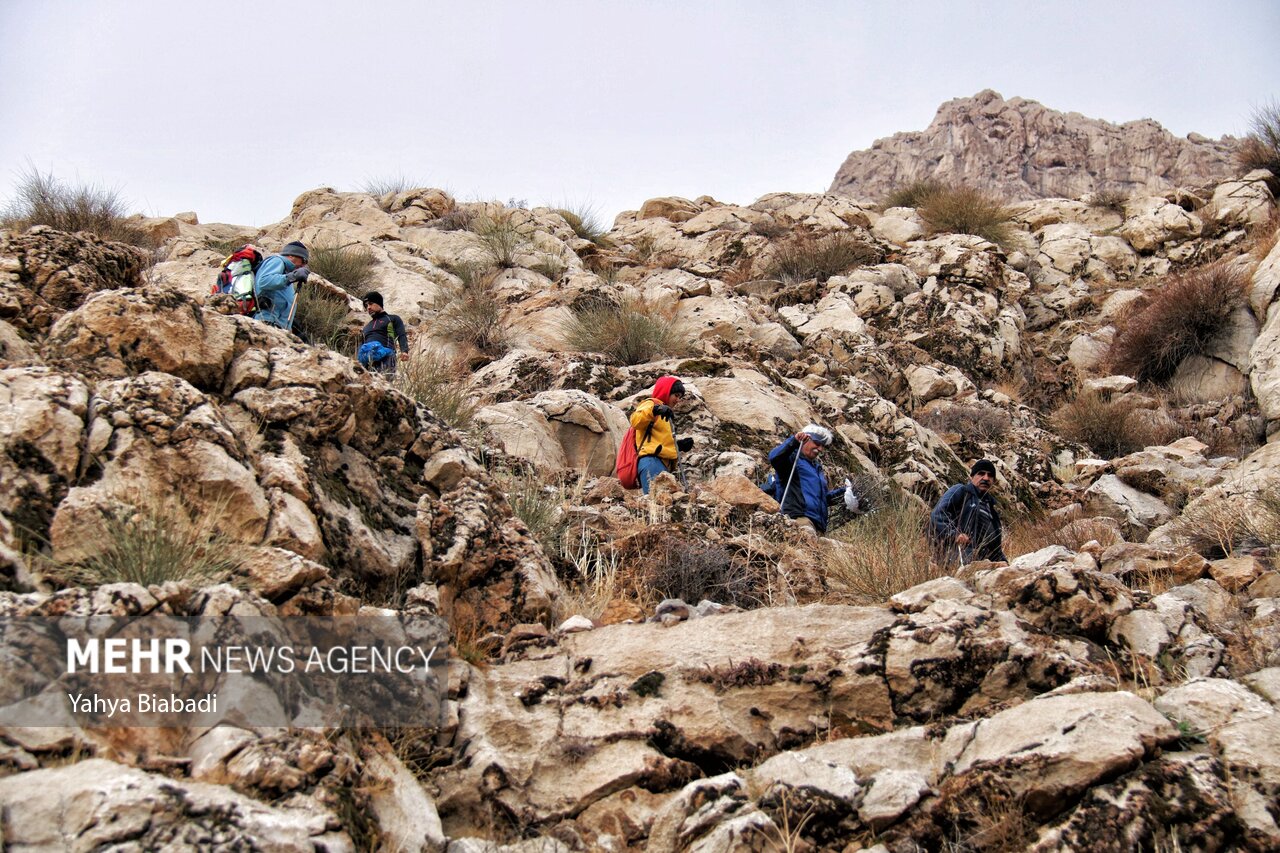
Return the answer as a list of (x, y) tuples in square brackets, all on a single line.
[(662, 389)]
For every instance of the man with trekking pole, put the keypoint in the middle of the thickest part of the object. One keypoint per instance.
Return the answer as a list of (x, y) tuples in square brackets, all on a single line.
[(965, 525), (804, 496)]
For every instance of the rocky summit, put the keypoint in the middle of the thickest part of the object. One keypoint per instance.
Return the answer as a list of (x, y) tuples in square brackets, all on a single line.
[(1020, 149), (685, 670)]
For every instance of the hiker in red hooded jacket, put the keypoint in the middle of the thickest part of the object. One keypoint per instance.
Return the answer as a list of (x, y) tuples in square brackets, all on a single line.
[(655, 425)]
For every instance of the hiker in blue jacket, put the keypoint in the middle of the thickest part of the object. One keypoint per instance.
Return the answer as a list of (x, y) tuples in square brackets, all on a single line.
[(965, 525), (274, 285), (377, 352), (803, 494)]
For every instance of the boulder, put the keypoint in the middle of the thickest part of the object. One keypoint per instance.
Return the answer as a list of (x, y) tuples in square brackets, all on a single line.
[(102, 804)]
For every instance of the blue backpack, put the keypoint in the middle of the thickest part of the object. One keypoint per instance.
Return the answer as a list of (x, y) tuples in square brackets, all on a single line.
[(372, 352)]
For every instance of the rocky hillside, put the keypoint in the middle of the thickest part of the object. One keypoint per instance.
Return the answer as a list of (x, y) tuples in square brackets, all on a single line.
[(1020, 149), (684, 671)]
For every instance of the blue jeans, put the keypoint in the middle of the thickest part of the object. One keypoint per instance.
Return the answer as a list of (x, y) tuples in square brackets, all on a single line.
[(647, 468)]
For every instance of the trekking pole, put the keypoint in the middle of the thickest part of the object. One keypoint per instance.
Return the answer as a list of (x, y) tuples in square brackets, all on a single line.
[(787, 487)]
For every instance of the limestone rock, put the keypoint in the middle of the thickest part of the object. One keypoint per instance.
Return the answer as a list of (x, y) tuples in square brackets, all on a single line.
[(1021, 149), (99, 803)]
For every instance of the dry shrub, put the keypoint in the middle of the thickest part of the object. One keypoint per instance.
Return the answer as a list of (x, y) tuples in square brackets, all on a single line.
[(1109, 199), (807, 256), (501, 237), (321, 320), (913, 194), (1220, 528), (631, 331), (979, 421), (44, 200), (439, 383), (154, 543), (692, 570), (350, 267), (964, 210), (1110, 428), (1262, 238), (469, 309), (1029, 533), (540, 506), (1178, 320), (881, 553), (595, 582), (1261, 148), (586, 224)]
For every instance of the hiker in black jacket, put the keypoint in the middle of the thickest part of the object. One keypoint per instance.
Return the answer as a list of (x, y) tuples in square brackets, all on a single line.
[(377, 351), (965, 525)]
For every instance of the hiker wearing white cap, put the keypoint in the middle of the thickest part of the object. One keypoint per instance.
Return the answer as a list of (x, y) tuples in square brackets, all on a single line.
[(803, 494)]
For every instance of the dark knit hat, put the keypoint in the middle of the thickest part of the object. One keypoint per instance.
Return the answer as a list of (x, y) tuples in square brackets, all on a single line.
[(297, 250), (983, 465), (373, 297), (677, 387)]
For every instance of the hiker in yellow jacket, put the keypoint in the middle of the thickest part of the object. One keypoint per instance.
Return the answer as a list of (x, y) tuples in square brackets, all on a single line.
[(655, 425)]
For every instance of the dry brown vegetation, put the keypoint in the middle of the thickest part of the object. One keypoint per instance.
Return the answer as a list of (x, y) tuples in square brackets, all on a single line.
[(1178, 320), (629, 331), (468, 309), (1261, 148), (42, 199), (1110, 428), (807, 256), (883, 553), (980, 421), (957, 209)]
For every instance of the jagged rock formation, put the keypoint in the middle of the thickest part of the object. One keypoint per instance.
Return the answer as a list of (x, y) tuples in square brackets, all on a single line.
[(1020, 149), (1114, 689)]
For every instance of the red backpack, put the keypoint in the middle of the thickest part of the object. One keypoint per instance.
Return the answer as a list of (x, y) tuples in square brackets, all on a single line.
[(236, 277), (627, 465)]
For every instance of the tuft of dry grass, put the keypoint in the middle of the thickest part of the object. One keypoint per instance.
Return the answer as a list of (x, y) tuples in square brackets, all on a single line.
[(42, 199), (881, 553), (1179, 320), (596, 580), (956, 209), (1110, 428), (154, 543), (470, 310), (1221, 528), (350, 267), (586, 224), (980, 421), (631, 331), (321, 320), (439, 383), (806, 256), (1261, 148), (1029, 533), (502, 237), (913, 194)]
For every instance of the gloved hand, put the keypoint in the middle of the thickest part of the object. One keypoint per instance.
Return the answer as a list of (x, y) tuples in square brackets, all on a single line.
[(850, 499), (661, 411), (684, 445), (300, 274)]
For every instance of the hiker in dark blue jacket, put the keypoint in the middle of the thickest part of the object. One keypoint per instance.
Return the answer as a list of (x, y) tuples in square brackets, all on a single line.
[(964, 524), (802, 484), (274, 285), (378, 349)]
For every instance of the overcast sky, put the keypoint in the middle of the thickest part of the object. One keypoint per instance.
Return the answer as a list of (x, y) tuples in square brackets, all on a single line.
[(233, 109)]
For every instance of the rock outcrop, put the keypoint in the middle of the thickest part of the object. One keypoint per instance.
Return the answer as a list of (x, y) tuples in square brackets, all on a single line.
[(1020, 149), (683, 671)]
